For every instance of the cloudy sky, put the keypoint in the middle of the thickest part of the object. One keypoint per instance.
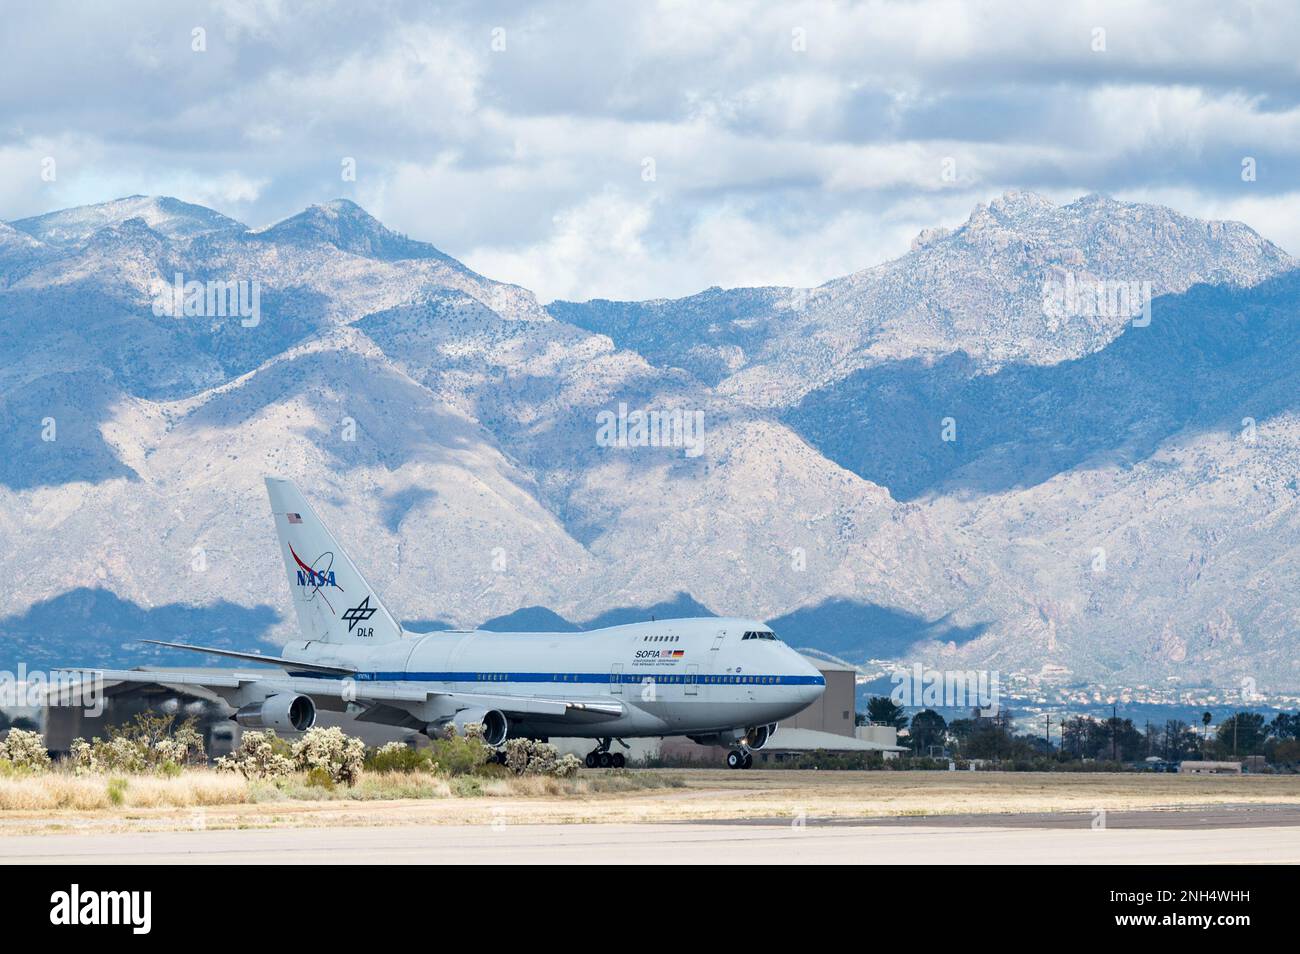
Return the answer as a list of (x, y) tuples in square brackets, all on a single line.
[(634, 150)]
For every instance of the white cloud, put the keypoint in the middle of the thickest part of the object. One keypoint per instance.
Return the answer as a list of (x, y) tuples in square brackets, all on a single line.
[(615, 246), (773, 164)]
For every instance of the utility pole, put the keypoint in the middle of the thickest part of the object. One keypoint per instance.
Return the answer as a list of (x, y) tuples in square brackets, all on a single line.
[(1047, 733), (1114, 733)]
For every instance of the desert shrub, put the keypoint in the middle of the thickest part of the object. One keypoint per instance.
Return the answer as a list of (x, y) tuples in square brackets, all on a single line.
[(81, 756), (527, 757), (466, 786), (117, 790), (518, 754), (398, 757), (454, 755), (339, 756), (319, 777), (568, 766), (25, 751), (184, 746), (260, 755), (119, 754), (149, 743)]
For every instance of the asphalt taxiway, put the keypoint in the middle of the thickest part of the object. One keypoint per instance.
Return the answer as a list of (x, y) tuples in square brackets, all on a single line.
[(1218, 835)]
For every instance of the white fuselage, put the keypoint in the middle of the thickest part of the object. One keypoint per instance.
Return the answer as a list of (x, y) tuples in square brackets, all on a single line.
[(671, 677)]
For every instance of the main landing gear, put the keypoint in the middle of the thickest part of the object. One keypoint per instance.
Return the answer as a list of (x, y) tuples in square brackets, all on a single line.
[(739, 759), (602, 757)]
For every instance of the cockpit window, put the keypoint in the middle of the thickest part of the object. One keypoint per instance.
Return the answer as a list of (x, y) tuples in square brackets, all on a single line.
[(759, 634)]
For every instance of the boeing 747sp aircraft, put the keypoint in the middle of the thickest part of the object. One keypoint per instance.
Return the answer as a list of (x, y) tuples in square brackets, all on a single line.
[(719, 681)]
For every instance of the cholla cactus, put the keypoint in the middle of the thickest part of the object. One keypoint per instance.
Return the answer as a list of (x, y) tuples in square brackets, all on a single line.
[(165, 751), (82, 756), (527, 757), (25, 750), (187, 746), (518, 755), (146, 744), (339, 755), (182, 749), (121, 754), (257, 757), (544, 759)]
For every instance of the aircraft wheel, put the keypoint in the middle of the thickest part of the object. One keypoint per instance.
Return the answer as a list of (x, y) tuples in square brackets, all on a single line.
[(734, 760), (592, 760), (618, 759), (749, 760), (605, 759)]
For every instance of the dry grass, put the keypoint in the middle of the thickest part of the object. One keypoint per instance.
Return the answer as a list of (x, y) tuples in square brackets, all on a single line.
[(373, 786), (53, 791), (59, 790), (56, 801)]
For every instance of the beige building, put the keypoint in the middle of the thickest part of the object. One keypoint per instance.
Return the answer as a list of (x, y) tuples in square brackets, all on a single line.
[(836, 710)]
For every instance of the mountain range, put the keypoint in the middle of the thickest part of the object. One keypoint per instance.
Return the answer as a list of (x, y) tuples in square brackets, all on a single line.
[(918, 461)]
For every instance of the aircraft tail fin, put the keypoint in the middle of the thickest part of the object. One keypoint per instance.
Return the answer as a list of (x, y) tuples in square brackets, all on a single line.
[(334, 602)]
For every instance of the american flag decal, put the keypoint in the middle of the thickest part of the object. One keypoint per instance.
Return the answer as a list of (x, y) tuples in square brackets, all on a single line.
[(294, 518)]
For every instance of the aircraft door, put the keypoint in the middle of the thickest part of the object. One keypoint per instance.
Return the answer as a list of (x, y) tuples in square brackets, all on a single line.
[(693, 679), (616, 679)]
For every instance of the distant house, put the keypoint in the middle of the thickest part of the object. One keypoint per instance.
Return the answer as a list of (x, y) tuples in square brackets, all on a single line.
[(1210, 768)]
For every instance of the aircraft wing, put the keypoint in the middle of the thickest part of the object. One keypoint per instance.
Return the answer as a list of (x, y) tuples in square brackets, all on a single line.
[(336, 690), (512, 704)]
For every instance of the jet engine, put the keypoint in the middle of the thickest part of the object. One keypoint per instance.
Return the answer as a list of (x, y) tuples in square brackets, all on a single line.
[(283, 711), (495, 725), (753, 737), (757, 736), (727, 737)]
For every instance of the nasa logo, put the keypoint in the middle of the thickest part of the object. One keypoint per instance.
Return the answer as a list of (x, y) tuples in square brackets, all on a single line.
[(315, 575)]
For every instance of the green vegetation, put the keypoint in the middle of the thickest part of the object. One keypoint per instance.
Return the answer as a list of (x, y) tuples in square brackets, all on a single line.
[(24, 751), (883, 710), (1088, 744)]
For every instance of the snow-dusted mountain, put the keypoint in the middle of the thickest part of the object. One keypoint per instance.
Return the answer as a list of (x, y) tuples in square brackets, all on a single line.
[(977, 289), (448, 427)]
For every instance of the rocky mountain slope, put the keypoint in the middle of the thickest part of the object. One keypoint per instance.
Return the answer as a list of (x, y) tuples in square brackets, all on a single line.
[(447, 426)]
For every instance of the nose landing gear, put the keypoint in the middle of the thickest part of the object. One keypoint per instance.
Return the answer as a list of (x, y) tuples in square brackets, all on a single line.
[(740, 759), (602, 757)]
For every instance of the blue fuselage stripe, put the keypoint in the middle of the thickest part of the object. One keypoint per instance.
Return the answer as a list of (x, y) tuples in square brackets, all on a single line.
[(569, 678)]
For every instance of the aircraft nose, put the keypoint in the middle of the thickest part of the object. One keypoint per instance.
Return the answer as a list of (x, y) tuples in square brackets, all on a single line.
[(812, 683)]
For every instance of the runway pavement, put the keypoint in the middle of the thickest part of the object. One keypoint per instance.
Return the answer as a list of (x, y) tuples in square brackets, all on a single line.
[(1203, 817), (892, 842)]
